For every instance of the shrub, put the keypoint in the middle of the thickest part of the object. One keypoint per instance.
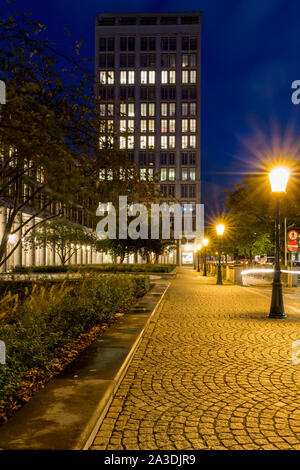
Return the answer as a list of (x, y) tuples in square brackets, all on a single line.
[(122, 268), (52, 314)]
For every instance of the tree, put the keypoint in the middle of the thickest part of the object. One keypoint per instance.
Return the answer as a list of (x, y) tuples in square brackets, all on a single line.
[(50, 129), (65, 237)]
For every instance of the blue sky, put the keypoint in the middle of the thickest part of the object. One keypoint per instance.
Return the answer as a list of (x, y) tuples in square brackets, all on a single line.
[(250, 58)]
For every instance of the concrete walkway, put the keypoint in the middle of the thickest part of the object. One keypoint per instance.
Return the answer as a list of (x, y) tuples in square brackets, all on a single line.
[(212, 372)]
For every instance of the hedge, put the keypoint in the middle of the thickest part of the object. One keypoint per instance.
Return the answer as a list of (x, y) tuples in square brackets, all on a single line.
[(122, 268), (54, 313)]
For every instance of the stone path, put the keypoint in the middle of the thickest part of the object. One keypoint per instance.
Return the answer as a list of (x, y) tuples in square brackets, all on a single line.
[(212, 372)]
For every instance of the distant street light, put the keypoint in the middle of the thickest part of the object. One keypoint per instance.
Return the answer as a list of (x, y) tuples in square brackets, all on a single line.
[(205, 243), (199, 247), (278, 178), (220, 230)]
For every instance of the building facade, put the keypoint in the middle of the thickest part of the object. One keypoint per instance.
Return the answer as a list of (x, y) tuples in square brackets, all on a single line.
[(148, 67)]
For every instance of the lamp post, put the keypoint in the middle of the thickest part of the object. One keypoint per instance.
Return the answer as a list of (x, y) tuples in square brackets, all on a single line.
[(205, 243), (195, 258), (220, 230), (278, 179), (199, 247)]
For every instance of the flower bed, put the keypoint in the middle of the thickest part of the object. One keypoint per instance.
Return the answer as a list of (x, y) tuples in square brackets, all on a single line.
[(38, 319)]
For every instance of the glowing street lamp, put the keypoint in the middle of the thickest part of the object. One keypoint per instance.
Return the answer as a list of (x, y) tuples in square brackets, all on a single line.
[(205, 243), (278, 179), (220, 230)]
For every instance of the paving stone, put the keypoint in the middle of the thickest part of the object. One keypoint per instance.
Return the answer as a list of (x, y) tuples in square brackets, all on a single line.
[(211, 372)]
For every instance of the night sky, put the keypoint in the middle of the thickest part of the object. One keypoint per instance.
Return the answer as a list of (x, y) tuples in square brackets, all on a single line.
[(251, 56)]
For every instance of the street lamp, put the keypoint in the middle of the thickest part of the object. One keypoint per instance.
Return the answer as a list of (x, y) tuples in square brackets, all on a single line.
[(205, 243), (220, 230), (278, 179), (199, 247)]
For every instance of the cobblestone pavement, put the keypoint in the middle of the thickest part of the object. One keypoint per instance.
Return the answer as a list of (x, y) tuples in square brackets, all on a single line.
[(212, 372)]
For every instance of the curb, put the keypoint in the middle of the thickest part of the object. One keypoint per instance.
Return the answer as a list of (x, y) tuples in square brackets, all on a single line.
[(89, 434)]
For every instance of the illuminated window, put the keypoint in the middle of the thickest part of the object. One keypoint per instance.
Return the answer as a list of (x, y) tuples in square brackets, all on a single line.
[(122, 142), (143, 125), (144, 76), (143, 142), (184, 141), (184, 109), (151, 76), (192, 174), (151, 109), (172, 125), (122, 125), (172, 174), (131, 77), (185, 76), (130, 141), (144, 109), (151, 125), (127, 109), (192, 125), (164, 125), (103, 77), (193, 109), (102, 109), (184, 125), (193, 141), (172, 109), (164, 76), (163, 174), (193, 60), (164, 109), (185, 60), (184, 174), (143, 174), (193, 76), (110, 77), (102, 174), (131, 109), (172, 141), (172, 76), (123, 77), (110, 109), (151, 141), (164, 142), (130, 125)]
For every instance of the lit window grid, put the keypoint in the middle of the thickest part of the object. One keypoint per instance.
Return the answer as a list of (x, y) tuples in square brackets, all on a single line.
[(188, 141), (148, 77), (167, 125), (127, 125), (147, 141), (127, 77), (188, 76), (167, 142), (168, 76), (188, 125), (126, 142), (107, 77), (168, 109), (167, 174), (147, 109), (147, 125)]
